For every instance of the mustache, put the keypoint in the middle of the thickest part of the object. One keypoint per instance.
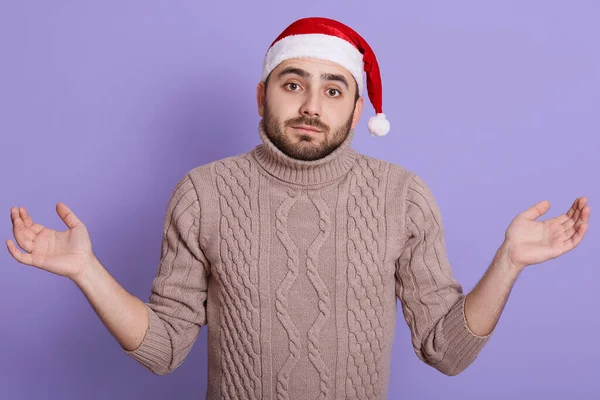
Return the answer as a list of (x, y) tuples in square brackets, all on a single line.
[(313, 122)]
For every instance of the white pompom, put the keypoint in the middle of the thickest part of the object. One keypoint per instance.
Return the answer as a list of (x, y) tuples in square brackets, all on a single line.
[(379, 125)]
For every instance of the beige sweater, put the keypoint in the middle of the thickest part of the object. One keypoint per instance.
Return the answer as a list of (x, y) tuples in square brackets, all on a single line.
[(295, 267)]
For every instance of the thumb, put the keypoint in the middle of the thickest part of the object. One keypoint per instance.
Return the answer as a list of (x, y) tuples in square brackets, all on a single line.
[(68, 216), (537, 210)]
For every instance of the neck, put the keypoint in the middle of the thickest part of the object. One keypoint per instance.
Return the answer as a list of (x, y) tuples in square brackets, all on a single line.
[(301, 172)]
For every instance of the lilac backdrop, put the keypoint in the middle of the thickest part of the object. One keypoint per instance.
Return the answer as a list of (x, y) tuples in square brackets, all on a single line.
[(105, 105)]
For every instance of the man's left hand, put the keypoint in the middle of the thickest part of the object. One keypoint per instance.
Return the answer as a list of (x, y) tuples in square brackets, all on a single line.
[(528, 241)]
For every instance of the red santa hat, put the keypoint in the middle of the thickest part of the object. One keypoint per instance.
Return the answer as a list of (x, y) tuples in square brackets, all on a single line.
[(327, 39)]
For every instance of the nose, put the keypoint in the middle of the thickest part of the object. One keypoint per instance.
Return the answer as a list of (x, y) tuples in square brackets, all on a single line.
[(311, 107)]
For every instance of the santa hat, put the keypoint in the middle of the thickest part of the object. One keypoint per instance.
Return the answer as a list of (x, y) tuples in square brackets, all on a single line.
[(327, 39)]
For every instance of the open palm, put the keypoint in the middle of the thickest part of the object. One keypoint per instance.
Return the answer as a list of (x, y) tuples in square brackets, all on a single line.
[(60, 252), (533, 242)]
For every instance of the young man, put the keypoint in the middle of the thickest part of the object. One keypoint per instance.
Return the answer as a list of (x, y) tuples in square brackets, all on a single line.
[(295, 253)]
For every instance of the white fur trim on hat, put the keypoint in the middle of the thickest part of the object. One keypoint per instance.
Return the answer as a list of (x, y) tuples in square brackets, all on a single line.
[(379, 125), (320, 46)]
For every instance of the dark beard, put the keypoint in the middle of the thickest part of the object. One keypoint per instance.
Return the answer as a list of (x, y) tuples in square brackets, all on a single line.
[(299, 151)]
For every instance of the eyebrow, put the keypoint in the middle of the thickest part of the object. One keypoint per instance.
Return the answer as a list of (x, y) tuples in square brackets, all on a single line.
[(305, 74)]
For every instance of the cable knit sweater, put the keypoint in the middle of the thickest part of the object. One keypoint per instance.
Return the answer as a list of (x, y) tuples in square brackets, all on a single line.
[(296, 267)]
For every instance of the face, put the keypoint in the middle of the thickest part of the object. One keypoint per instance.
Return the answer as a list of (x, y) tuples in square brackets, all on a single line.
[(308, 106)]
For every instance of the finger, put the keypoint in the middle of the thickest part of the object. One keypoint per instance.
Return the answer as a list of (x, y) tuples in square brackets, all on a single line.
[(25, 216), (24, 242), (568, 223), (574, 211), (573, 208), (576, 217), (68, 216), (28, 222), (582, 218), (24, 258), (569, 233), (22, 235), (12, 215), (537, 210), (581, 204), (16, 220), (19, 228), (578, 236), (21, 232), (585, 214)]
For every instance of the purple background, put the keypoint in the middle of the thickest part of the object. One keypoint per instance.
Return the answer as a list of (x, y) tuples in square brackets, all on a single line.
[(105, 105)]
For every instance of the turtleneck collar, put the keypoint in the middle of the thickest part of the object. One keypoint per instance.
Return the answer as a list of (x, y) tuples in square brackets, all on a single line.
[(300, 172)]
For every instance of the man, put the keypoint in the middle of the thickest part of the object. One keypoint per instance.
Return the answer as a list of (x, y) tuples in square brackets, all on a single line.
[(294, 253)]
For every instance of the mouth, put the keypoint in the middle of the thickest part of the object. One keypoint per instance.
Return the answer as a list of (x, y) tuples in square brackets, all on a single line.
[(307, 129)]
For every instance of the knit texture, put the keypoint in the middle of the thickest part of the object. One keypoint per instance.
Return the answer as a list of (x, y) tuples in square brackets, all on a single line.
[(296, 268)]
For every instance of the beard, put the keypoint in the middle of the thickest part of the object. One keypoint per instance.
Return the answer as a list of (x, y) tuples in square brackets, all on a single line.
[(308, 148)]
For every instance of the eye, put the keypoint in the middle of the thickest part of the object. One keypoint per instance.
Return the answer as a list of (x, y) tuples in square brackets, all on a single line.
[(334, 92), (293, 86)]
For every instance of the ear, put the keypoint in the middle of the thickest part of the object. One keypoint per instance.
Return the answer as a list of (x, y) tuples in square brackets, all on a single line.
[(358, 111), (260, 98)]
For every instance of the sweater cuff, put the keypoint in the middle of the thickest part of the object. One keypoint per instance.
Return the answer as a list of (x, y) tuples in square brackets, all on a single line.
[(462, 344), (154, 351)]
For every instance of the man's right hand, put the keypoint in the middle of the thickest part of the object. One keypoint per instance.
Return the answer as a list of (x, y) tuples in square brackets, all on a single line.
[(65, 253), (69, 253)]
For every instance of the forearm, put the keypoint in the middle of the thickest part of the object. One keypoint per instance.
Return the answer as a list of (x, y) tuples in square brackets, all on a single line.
[(123, 314), (484, 304)]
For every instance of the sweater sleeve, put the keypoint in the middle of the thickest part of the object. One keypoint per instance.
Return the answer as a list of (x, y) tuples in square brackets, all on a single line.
[(431, 298), (176, 308)]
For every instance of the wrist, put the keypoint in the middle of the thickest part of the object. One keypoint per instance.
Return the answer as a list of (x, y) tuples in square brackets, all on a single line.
[(84, 275), (503, 256)]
